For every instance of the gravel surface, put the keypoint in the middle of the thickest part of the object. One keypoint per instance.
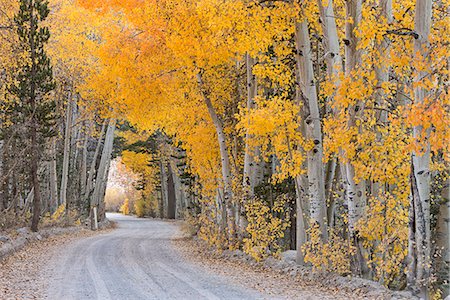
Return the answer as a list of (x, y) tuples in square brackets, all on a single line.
[(136, 261), (141, 259), (25, 274)]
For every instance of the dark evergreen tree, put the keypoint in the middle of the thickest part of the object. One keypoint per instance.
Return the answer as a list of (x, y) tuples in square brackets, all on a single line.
[(33, 84)]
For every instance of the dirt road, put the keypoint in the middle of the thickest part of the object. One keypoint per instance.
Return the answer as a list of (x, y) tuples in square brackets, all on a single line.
[(135, 261)]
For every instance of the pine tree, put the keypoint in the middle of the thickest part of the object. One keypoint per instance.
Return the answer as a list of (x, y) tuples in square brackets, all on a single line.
[(33, 83)]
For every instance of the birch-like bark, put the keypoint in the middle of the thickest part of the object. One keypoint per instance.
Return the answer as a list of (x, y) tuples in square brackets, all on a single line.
[(249, 157), (104, 163), (356, 190), (420, 183), (66, 154), (53, 176), (300, 221), (83, 175), (307, 86), (92, 169), (225, 160), (104, 185), (330, 40), (382, 70)]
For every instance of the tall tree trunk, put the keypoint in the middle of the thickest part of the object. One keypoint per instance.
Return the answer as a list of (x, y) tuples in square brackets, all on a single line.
[(300, 220), (225, 160), (53, 176), (420, 181), (34, 177), (171, 197), (92, 168), (34, 154), (98, 194), (330, 40), (356, 188), (382, 75), (249, 157), (83, 167), (163, 179), (66, 154), (104, 185), (307, 86)]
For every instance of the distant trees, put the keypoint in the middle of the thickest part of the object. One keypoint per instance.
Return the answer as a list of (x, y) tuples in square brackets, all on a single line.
[(49, 134)]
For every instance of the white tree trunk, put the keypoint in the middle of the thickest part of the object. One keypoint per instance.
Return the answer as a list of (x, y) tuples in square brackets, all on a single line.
[(382, 71), (97, 196), (330, 40), (300, 220), (66, 155), (225, 160), (53, 177), (308, 90), (249, 161), (92, 170), (356, 188), (84, 175), (421, 161)]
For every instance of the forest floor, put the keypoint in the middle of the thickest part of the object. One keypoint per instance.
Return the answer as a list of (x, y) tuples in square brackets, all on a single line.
[(145, 259), (282, 278)]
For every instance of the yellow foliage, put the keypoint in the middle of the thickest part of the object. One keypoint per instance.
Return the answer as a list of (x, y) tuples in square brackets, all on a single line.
[(125, 208), (266, 226), (59, 212), (331, 256), (384, 231)]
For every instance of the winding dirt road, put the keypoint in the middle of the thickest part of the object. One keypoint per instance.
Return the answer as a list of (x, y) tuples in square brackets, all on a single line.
[(136, 261)]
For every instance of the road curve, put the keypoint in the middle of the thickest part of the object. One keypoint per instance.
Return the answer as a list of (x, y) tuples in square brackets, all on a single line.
[(135, 261)]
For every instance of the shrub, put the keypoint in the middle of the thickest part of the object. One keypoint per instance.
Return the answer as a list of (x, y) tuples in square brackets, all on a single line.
[(125, 208)]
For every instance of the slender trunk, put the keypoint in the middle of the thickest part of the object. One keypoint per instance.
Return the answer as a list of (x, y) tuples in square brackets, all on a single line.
[(300, 221), (92, 169), (382, 69), (225, 160), (171, 197), (356, 188), (249, 157), (98, 194), (34, 155), (162, 174), (83, 175), (331, 183), (104, 185), (53, 177), (330, 40), (34, 178), (420, 183), (307, 86), (66, 155)]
